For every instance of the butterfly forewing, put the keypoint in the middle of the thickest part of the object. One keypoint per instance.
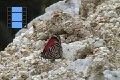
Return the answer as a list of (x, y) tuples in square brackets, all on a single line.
[(50, 43)]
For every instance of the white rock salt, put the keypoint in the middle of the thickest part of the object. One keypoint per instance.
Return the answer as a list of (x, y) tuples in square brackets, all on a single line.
[(44, 74), (113, 20), (112, 75), (118, 19), (117, 24), (59, 71), (25, 40), (91, 40), (70, 50), (17, 40), (80, 65), (98, 43), (39, 44), (111, 14)]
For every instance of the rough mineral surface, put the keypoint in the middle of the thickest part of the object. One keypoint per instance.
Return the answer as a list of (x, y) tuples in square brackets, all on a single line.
[(90, 42)]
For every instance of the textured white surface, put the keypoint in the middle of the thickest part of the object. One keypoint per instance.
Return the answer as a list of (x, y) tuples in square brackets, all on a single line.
[(111, 75), (80, 65), (70, 50), (99, 61), (71, 7)]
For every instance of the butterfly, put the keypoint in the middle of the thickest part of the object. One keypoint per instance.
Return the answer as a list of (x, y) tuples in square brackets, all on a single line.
[(53, 49)]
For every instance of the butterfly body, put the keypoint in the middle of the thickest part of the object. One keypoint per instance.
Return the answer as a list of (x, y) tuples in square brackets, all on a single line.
[(53, 49)]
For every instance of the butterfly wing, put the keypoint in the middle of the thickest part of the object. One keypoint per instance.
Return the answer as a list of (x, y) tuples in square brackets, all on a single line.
[(53, 49)]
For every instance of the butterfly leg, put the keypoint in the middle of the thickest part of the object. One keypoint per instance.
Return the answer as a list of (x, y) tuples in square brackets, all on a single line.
[(52, 60)]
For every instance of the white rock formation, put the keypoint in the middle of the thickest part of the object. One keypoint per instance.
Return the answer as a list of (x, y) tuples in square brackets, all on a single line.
[(70, 51), (69, 6), (91, 45), (111, 75), (80, 65)]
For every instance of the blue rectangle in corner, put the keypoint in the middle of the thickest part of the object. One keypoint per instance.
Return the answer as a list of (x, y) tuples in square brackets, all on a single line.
[(16, 16), (16, 24), (16, 9)]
